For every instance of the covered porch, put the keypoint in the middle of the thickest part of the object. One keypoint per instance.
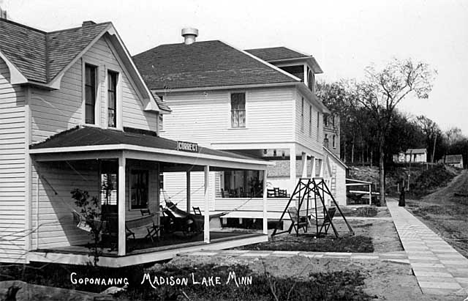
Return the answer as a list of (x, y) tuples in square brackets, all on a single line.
[(123, 171)]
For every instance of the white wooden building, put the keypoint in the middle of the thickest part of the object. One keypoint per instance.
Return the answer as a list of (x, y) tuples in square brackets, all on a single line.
[(75, 111), (258, 102), (411, 155)]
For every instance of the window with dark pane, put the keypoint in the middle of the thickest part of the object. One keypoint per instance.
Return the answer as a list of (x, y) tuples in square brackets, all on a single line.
[(310, 121), (112, 99), (238, 110), (139, 189), (109, 191), (90, 93), (302, 115)]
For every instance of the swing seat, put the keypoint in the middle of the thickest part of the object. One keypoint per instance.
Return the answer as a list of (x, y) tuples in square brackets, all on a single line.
[(327, 221), (297, 222), (81, 222)]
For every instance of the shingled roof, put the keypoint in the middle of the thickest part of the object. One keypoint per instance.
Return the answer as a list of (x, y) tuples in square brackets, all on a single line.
[(41, 56), (94, 136), (276, 54), (205, 64), (281, 54)]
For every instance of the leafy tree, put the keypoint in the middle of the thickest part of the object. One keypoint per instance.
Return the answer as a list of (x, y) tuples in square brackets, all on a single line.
[(383, 90)]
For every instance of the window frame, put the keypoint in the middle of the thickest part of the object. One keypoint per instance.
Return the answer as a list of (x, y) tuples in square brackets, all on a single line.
[(109, 191), (115, 98), (237, 110), (310, 120), (146, 192), (95, 93), (302, 115), (318, 126)]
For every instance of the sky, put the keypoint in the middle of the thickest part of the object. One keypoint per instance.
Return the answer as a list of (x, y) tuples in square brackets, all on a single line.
[(344, 36)]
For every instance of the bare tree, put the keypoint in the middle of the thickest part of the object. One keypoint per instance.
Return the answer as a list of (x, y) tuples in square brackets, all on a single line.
[(383, 90), (432, 131)]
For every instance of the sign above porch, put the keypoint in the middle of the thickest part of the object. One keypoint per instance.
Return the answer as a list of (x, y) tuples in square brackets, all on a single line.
[(187, 147)]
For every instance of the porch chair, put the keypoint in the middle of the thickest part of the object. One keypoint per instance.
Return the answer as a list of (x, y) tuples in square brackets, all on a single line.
[(196, 210), (327, 220), (153, 229), (270, 193), (297, 222)]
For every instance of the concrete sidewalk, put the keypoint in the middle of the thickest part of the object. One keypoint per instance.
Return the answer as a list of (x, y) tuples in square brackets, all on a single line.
[(438, 267)]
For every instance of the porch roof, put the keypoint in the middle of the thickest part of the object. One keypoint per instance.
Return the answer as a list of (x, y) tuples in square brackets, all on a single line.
[(93, 143)]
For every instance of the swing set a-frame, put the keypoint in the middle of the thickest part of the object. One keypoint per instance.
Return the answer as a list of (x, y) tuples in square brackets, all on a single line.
[(311, 190)]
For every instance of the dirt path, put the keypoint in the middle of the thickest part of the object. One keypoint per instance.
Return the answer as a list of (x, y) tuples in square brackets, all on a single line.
[(446, 212)]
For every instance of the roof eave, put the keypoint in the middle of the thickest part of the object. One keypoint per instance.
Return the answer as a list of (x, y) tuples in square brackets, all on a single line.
[(310, 60), (16, 77), (229, 87), (56, 81), (60, 153), (305, 90), (335, 157)]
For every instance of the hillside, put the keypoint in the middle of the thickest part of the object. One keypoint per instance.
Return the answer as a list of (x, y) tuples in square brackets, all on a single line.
[(423, 179)]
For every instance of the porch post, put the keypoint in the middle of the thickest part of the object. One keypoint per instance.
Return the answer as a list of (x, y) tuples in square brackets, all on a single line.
[(304, 165), (314, 164), (292, 168), (265, 217), (207, 205), (188, 192), (321, 168), (121, 206)]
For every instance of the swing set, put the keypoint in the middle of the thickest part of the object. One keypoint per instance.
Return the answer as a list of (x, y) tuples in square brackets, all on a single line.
[(310, 190)]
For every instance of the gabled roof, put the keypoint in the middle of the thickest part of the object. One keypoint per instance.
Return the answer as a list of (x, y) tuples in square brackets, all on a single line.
[(416, 151), (205, 64), (283, 55), (41, 56)]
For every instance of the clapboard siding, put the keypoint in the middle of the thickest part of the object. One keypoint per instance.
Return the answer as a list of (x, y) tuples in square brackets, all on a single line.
[(175, 189), (56, 111), (52, 204), (52, 213), (12, 169), (205, 117), (303, 137), (132, 104)]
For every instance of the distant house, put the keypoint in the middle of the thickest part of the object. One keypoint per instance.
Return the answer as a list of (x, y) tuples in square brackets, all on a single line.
[(412, 155), (257, 102), (76, 114), (331, 133), (453, 160)]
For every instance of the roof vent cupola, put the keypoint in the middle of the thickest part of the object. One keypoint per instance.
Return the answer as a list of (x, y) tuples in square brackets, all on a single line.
[(190, 35)]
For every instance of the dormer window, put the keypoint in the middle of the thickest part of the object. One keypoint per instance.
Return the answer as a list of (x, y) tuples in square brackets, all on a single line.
[(112, 99), (90, 93)]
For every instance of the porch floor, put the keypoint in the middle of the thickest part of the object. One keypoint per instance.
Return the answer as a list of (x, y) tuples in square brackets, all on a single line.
[(142, 246)]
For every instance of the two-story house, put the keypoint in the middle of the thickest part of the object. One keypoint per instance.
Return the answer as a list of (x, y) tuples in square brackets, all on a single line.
[(76, 114), (258, 102)]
